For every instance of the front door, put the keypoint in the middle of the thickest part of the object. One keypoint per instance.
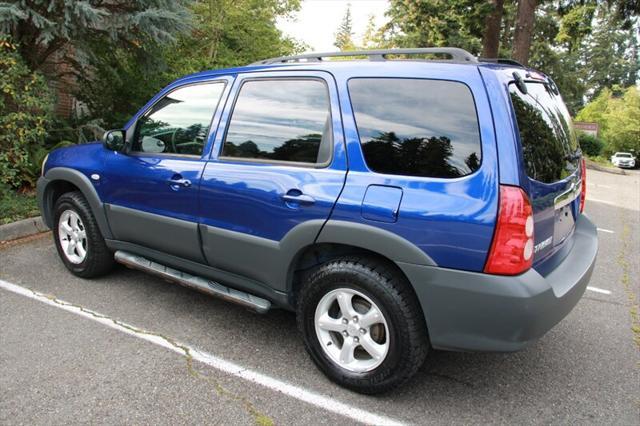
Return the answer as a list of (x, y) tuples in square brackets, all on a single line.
[(151, 191), (277, 168)]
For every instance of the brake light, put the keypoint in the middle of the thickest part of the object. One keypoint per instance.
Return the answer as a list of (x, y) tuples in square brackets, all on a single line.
[(583, 191), (512, 247)]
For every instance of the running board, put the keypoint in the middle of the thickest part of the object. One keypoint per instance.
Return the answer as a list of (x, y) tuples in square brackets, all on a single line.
[(204, 285)]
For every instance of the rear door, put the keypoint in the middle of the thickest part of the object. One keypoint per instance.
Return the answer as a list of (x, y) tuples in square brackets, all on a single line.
[(552, 162), (276, 171)]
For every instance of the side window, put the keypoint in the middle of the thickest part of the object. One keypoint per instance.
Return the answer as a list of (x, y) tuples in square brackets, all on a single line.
[(281, 120), (416, 127), (179, 122)]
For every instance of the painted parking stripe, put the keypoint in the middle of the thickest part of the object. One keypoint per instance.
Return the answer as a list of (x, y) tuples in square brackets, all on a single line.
[(228, 367), (608, 231), (598, 290)]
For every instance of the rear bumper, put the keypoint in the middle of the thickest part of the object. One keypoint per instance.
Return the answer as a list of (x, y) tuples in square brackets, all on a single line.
[(473, 311)]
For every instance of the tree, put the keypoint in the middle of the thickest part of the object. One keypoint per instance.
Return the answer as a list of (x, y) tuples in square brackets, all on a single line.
[(371, 37), (232, 33), (68, 31), (609, 54), (618, 117), (491, 34), (25, 113), (225, 33), (524, 30), (428, 23), (344, 35)]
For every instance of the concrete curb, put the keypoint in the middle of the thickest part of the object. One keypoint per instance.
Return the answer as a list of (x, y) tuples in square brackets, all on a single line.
[(595, 166), (22, 228)]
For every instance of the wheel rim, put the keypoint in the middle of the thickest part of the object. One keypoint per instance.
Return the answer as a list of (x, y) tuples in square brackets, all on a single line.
[(72, 236), (352, 330)]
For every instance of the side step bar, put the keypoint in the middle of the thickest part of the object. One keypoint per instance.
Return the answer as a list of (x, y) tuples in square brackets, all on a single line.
[(204, 285)]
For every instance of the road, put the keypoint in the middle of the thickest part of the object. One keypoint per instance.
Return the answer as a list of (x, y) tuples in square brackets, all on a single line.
[(67, 366)]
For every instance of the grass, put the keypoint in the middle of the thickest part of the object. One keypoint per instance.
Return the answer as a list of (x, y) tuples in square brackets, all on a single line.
[(603, 161), (16, 205)]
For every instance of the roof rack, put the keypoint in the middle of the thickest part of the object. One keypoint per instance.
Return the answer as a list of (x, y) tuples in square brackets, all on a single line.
[(456, 54), (505, 61)]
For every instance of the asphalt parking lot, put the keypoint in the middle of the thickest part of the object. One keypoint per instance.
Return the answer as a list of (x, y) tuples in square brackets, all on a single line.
[(67, 364)]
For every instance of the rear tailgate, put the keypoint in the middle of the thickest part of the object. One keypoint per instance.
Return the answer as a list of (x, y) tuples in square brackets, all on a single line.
[(552, 162)]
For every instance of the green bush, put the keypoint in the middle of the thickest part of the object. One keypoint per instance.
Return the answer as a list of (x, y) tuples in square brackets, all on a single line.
[(590, 145), (26, 106)]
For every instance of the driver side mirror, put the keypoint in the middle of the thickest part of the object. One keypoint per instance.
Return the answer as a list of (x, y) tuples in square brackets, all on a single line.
[(114, 140)]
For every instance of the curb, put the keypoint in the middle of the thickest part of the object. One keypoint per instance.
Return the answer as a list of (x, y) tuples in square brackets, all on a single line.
[(595, 166), (22, 228)]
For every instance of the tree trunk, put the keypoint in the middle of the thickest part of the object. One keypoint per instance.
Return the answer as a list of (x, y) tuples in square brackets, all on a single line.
[(524, 30), (491, 36)]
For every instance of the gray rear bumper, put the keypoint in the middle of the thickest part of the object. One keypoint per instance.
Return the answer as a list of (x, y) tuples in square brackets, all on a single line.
[(479, 312)]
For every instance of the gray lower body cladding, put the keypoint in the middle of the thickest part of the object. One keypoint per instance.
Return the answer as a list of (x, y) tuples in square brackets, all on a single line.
[(472, 311)]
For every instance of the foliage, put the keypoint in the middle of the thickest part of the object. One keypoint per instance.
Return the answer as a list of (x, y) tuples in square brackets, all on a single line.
[(590, 145), (618, 117), (225, 33), (70, 30), (458, 23), (230, 33), (609, 55), (15, 205), (344, 35), (25, 113), (371, 38)]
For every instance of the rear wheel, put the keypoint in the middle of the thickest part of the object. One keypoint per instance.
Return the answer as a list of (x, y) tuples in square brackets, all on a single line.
[(78, 240), (362, 324)]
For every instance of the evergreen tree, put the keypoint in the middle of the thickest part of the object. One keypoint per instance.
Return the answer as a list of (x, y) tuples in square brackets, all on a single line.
[(429, 23), (609, 54), (68, 30), (371, 37), (344, 35)]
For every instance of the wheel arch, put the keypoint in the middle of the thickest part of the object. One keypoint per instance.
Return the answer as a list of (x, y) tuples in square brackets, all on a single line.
[(60, 180), (342, 238)]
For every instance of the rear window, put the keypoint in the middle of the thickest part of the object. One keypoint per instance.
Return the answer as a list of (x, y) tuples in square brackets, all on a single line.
[(416, 127), (548, 140)]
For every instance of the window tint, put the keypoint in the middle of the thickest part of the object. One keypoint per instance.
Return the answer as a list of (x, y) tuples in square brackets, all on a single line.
[(179, 122), (281, 120), (546, 134), (416, 127)]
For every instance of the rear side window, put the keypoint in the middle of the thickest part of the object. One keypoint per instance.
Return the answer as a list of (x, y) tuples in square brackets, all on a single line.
[(416, 127), (548, 140), (281, 120)]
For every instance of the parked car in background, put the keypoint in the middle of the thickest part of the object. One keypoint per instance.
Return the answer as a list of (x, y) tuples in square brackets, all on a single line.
[(623, 160), (395, 205)]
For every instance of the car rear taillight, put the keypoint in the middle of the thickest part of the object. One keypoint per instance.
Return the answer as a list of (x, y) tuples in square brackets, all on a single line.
[(583, 191), (512, 248)]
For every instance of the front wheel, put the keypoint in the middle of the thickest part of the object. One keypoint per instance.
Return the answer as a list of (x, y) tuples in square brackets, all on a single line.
[(78, 240), (362, 324)]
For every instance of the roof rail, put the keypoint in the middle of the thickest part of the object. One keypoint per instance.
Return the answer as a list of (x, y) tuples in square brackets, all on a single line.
[(505, 61), (456, 54)]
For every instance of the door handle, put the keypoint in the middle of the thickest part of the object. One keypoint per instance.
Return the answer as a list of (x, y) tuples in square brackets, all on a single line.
[(298, 198), (180, 182)]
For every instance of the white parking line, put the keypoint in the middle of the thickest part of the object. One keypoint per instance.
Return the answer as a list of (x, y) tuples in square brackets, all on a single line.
[(272, 383), (608, 231), (598, 290)]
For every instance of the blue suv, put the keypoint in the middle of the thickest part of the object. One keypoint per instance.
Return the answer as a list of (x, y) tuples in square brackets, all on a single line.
[(413, 199)]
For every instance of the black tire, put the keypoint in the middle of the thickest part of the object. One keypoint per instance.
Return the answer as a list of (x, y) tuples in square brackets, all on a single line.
[(389, 290), (99, 259)]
